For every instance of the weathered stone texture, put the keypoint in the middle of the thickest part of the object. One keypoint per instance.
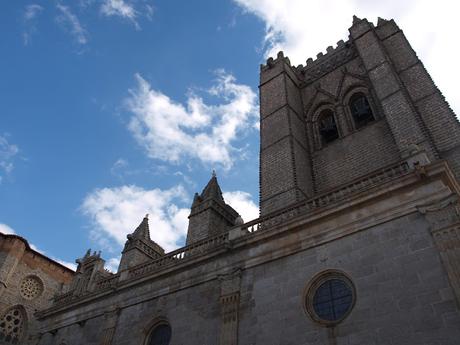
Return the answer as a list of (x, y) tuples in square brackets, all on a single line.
[(400, 283), (19, 262), (332, 163)]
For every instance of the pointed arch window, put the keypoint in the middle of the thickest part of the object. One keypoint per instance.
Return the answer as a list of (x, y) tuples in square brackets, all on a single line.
[(327, 127), (12, 324), (361, 110), (161, 335)]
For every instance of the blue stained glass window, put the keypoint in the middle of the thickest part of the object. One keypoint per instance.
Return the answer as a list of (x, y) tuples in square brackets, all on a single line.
[(161, 335), (332, 300)]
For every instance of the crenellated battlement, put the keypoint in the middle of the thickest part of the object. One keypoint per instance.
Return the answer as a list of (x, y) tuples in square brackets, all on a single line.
[(316, 68), (271, 62), (334, 57), (325, 63)]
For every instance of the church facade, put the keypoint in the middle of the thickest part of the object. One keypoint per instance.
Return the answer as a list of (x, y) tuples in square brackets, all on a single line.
[(358, 239), (28, 282)]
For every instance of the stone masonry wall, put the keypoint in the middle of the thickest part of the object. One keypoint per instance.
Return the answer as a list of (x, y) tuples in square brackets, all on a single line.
[(403, 296), (51, 275), (369, 149)]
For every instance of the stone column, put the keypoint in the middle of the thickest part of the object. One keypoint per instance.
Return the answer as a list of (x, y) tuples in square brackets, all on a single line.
[(230, 302), (444, 219)]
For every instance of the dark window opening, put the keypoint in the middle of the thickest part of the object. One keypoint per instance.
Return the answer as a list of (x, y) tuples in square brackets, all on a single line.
[(161, 335), (332, 300), (361, 110), (327, 127)]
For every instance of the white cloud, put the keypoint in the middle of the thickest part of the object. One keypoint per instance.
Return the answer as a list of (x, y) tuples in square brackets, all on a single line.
[(31, 12), (116, 212), (149, 11), (70, 22), (34, 247), (6, 229), (304, 28), (120, 8), (112, 264), (118, 167), (172, 131), (7, 154), (67, 264), (242, 202)]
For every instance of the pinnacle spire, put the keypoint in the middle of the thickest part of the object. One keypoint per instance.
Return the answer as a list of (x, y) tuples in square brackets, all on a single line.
[(142, 231), (212, 189), (356, 19)]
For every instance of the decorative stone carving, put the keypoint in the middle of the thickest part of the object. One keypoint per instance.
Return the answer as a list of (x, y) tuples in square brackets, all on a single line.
[(12, 326), (111, 319), (443, 213), (31, 287), (230, 301), (444, 218)]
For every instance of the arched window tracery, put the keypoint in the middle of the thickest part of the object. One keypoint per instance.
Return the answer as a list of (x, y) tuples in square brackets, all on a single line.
[(361, 110), (160, 335), (327, 127)]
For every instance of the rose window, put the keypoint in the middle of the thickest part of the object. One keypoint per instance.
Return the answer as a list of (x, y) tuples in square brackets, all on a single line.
[(11, 325), (31, 287)]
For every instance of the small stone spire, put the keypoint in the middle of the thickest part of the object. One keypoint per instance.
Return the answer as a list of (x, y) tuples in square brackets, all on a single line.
[(356, 20), (142, 231), (212, 189)]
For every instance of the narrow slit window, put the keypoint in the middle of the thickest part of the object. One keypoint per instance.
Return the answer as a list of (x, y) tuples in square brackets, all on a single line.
[(361, 110), (327, 127)]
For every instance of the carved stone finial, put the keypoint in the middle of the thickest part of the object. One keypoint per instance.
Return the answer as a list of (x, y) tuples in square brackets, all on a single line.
[(147, 216), (213, 173), (239, 220), (356, 20), (280, 54), (270, 62)]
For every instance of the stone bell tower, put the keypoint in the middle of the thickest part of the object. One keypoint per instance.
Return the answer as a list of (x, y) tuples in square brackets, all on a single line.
[(363, 105)]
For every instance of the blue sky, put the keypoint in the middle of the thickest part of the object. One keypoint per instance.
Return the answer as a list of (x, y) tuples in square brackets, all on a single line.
[(112, 109)]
